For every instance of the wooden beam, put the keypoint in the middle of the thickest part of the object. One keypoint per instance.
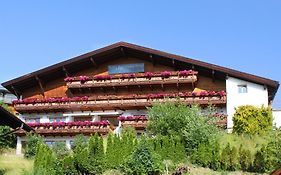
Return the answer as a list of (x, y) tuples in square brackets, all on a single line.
[(17, 93), (93, 62), (123, 52), (152, 59), (40, 85), (65, 71), (213, 75)]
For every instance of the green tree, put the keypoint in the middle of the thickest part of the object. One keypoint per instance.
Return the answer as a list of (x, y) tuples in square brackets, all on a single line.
[(252, 120), (176, 118), (6, 140), (143, 161), (33, 141), (44, 161), (60, 150), (96, 154)]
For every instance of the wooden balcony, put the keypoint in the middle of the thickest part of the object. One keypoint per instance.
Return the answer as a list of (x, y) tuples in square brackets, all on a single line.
[(138, 125), (68, 130), (137, 80), (116, 102)]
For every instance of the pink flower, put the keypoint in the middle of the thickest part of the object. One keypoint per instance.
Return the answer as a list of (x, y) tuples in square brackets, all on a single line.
[(103, 77), (166, 74), (185, 72), (148, 75), (204, 93), (69, 79), (221, 93), (131, 75)]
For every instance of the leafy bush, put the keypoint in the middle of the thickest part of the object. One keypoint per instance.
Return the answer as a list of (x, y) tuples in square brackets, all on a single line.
[(245, 158), (2, 172), (8, 140), (143, 161), (96, 154), (79, 141), (60, 150), (252, 120), (44, 160), (33, 141), (268, 157), (176, 118), (112, 172)]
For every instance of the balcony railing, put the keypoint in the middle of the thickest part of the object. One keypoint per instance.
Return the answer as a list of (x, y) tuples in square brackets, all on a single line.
[(137, 122), (117, 102), (162, 78), (70, 128)]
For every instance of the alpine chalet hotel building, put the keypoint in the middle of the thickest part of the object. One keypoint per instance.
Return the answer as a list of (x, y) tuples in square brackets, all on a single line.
[(110, 88)]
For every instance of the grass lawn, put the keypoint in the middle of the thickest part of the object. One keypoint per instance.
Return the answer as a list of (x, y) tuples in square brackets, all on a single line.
[(14, 165)]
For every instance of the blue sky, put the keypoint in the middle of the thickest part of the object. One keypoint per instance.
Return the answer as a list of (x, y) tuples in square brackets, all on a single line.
[(244, 35)]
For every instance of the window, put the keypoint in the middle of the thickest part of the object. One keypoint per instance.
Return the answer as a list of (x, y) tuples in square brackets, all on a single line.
[(32, 120), (82, 118), (57, 119), (126, 68), (112, 119), (242, 89)]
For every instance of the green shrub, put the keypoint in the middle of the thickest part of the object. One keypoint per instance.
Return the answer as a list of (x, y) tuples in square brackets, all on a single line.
[(44, 161), (176, 118), (234, 160), (245, 158), (143, 161), (2, 172), (60, 150), (112, 172), (79, 141), (6, 140), (225, 159), (33, 141), (68, 166), (252, 120), (201, 156), (96, 154), (81, 160), (260, 162)]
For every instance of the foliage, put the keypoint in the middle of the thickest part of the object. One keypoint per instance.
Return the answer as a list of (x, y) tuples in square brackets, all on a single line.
[(9, 140), (268, 157), (4, 105), (245, 158), (112, 172), (33, 141), (79, 141), (60, 150), (2, 171), (96, 154), (176, 118), (252, 120), (44, 160), (68, 165), (169, 148), (6, 140), (143, 161)]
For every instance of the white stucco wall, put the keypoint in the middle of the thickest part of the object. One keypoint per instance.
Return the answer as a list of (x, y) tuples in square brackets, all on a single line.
[(256, 95), (276, 118)]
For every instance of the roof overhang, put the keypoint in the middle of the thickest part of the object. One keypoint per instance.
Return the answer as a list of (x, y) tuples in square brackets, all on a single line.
[(127, 49), (8, 119)]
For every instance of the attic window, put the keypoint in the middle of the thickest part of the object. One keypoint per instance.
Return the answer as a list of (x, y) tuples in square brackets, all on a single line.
[(242, 89), (126, 68)]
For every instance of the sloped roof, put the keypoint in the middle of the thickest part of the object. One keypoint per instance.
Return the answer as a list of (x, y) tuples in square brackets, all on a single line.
[(127, 49), (8, 119)]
